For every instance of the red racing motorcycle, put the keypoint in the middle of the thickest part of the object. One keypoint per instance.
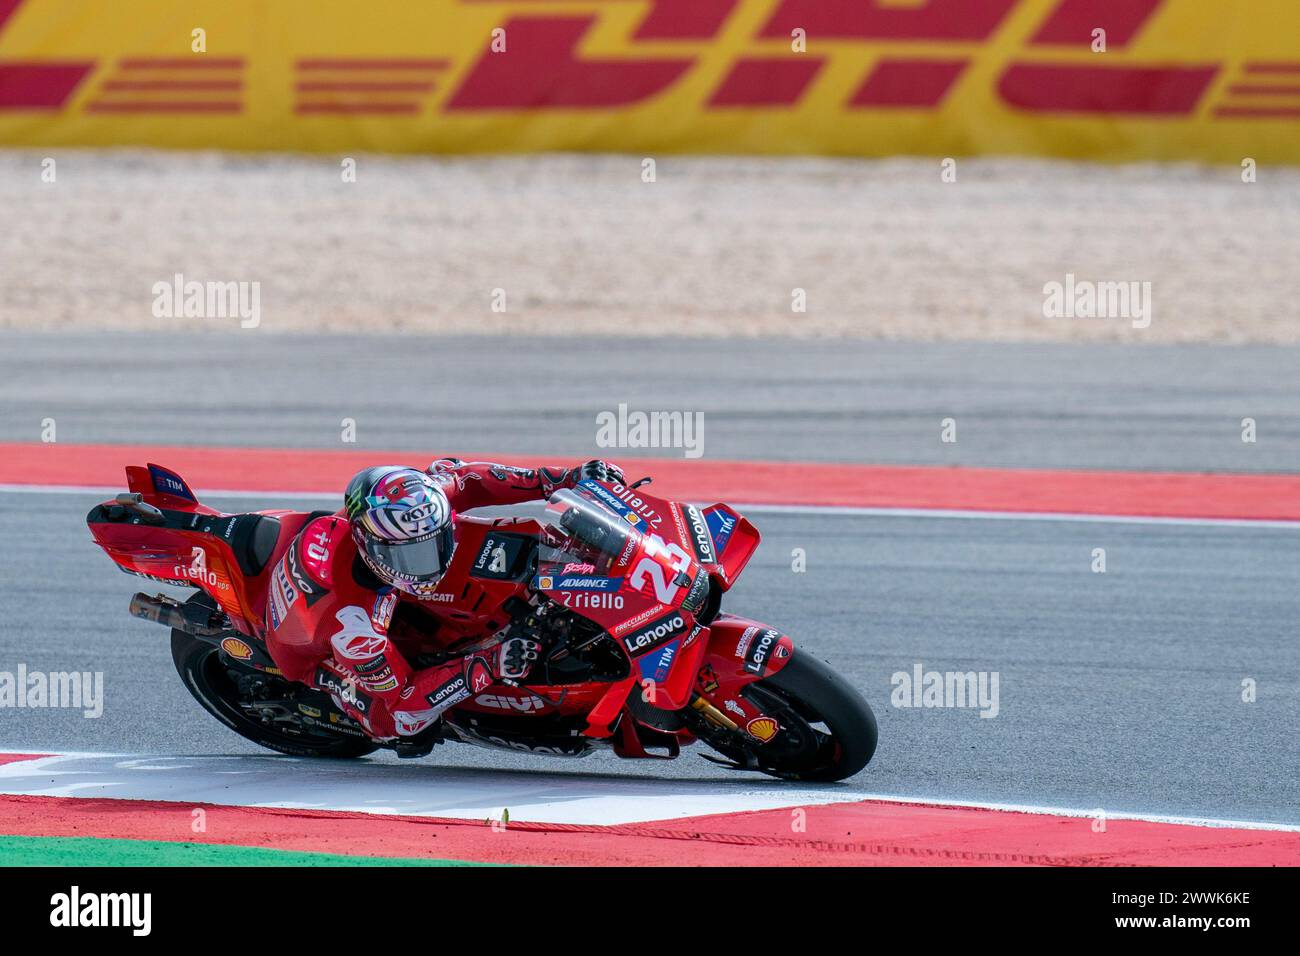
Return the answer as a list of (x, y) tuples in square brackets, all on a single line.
[(622, 590)]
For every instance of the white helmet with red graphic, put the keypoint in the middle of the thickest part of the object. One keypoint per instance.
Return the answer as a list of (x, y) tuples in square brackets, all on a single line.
[(403, 525)]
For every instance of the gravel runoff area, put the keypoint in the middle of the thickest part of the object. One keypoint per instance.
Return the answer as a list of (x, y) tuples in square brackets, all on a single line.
[(712, 247)]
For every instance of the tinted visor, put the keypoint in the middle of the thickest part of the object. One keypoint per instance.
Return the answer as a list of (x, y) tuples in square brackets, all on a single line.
[(417, 560)]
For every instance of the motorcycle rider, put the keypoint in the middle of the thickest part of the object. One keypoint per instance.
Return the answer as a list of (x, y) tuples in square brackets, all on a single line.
[(332, 596)]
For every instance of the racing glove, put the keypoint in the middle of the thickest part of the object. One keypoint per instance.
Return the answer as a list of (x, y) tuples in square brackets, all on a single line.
[(598, 470)]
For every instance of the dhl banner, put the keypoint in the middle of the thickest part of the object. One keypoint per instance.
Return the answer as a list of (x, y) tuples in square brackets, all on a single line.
[(1211, 80)]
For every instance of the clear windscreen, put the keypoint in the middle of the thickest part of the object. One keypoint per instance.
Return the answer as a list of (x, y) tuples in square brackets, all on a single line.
[(586, 546)]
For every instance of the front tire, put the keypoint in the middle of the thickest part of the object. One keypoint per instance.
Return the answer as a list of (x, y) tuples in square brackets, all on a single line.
[(814, 689), (215, 684), (828, 732)]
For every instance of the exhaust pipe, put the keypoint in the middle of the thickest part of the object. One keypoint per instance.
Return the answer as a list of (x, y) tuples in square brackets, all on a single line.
[(134, 502), (191, 618)]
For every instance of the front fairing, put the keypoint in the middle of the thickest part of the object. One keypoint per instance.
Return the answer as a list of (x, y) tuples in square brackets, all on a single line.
[(594, 544), (601, 559)]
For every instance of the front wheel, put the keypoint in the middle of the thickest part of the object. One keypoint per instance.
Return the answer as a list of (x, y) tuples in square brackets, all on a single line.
[(828, 731)]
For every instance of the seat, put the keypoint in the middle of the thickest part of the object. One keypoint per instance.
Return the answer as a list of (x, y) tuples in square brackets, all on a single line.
[(254, 542)]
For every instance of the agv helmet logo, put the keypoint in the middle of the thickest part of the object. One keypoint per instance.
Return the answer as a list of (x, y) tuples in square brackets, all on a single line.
[(403, 507), (417, 518)]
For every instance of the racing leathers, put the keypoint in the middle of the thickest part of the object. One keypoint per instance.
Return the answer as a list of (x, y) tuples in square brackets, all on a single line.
[(327, 617)]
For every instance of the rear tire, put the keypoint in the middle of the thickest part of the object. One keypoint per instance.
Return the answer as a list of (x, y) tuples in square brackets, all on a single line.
[(208, 679)]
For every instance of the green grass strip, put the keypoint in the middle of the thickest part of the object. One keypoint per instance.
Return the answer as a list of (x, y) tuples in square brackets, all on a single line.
[(91, 851)]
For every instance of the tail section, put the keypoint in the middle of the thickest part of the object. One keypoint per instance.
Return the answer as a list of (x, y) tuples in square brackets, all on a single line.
[(160, 531), (162, 487)]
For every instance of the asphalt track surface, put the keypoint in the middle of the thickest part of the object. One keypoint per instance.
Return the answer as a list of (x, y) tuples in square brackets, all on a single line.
[(1156, 407), (1120, 691)]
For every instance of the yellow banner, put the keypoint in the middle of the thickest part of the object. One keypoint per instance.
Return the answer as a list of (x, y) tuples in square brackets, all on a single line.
[(1211, 80)]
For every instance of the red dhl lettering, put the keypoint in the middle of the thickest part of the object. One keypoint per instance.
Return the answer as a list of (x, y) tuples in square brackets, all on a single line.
[(1010, 65)]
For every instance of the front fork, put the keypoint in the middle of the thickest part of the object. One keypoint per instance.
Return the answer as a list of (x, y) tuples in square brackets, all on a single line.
[(701, 705), (741, 652)]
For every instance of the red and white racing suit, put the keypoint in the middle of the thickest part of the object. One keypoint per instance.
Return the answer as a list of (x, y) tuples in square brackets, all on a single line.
[(328, 630)]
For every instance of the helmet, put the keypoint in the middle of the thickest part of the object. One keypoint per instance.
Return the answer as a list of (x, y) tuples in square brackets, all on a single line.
[(402, 523)]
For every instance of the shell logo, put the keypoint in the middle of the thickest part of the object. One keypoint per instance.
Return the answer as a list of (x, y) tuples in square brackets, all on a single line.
[(762, 729), (237, 649)]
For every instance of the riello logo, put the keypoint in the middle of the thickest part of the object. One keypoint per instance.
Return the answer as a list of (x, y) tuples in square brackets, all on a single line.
[(922, 51)]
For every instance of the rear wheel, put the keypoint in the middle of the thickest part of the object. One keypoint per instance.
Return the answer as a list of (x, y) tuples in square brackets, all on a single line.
[(263, 708), (827, 731)]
